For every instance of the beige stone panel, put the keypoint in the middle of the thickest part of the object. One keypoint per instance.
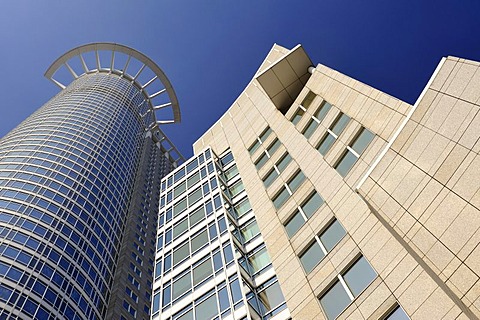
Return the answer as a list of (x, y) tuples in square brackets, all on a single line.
[(460, 112), (373, 297), (402, 275), (436, 306), (462, 230), (453, 313), (291, 278), (369, 120), (356, 173), (472, 132), (472, 90), (463, 279), (373, 243), (343, 253), (392, 126), (473, 294), (439, 111), (379, 172), (309, 310), (322, 276), (396, 175), (297, 300), (434, 154), (444, 214), (461, 79), (425, 199), (302, 239), (433, 206), (412, 179), (423, 240), (421, 140), (362, 227), (473, 260), (319, 221), (469, 183), (461, 169), (417, 293), (351, 313), (439, 256), (424, 105)]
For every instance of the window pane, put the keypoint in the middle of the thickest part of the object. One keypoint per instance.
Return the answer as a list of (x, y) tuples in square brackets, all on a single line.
[(193, 179), (270, 177), (254, 147), (322, 111), (265, 134), (197, 216), (359, 276), (340, 124), (362, 141), (335, 300), (250, 231), (194, 196), (260, 162), (202, 271), (207, 309), (271, 297), (280, 198), (332, 235), (282, 164), (180, 254), (312, 204), (232, 172), (297, 180), (273, 147), (397, 314), (181, 286), (311, 257), (310, 129), (259, 260), (308, 100), (236, 188), (326, 144), (346, 163), (298, 115), (242, 208), (294, 224), (179, 189), (186, 316), (179, 207), (180, 228), (199, 241)]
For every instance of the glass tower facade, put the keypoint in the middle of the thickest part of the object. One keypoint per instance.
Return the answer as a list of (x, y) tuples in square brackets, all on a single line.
[(211, 260), (77, 180)]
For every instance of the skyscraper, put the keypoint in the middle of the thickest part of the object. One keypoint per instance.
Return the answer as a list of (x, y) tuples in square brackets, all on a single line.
[(316, 196), (79, 189)]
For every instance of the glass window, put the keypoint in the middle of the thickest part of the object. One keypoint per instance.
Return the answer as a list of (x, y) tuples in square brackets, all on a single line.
[(332, 235), (326, 143), (308, 99), (397, 314), (261, 161), (297, 116), (296, 181), (281, 197), (199, 240), (259, 260), (192, 165), (270, 178), (271, 297), (207, 309), (166, 296), (265, 134), (236, 188), (311, 257), (180, 286), (194, 196), (340, 124), (274, 147), (310, 128), (322, 111), (197, 216), (359, 276), (232, 172), (179, 207), (202, 271), (242, 208), (294, 224), (181, 253), (226, 159), (180, 228), (250, 231), (312, 204), (362, 141), (179, 174), (335, 300), (193, 179), (254, 147), (345, 163), (283, 163), (179, 189)]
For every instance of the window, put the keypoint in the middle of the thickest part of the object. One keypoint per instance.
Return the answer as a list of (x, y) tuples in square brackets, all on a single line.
[(310, 128), (396, 314), (202, 271), (297, 116), (206, 309), (181, 285), (321, 245), (332, 133), (288, 189), (322, 111), (276, 170), (303, 213), (307, 101), (259, 140), (261, 161), (348, 286), (353, 152)]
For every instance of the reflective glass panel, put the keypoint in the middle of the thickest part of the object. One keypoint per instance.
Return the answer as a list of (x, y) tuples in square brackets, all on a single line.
[(280, 198), (296, 181), (283, 163), (271, 297), (397, 314), (270, 177), (274, 147), (202, 271), (308, 100), (335, 300), (311, 257), (340, 124), (362, 141), (207, 309), (326, 144), (294, 224), (180, 286), (359, 276), (181, 253), (346, 163), (322, 111), (310, 129), (312, 204), (298, 115), (332, 235), (261, 161)]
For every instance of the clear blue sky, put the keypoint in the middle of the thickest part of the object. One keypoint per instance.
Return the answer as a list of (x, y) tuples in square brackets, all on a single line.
[(210, 49)]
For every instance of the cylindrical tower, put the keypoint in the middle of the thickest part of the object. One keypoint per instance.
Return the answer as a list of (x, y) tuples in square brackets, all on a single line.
[(71, 178)]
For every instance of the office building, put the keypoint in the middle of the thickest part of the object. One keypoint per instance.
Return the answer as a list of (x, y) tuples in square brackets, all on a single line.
[(316, 196), (79, 189)]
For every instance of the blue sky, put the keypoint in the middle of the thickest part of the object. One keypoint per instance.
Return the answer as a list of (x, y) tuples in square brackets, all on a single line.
[(211, 49)]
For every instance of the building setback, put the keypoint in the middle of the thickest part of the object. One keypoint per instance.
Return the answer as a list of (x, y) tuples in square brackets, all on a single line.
[(360, 205), (79, 190)]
